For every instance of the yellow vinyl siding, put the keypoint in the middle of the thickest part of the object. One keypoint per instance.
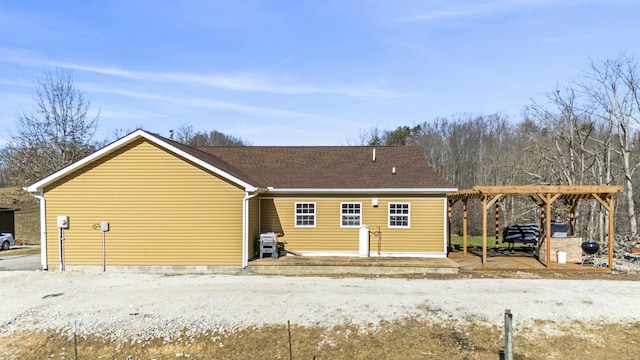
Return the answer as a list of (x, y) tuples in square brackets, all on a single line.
[(425, 234), (162, 210), (254, 225)]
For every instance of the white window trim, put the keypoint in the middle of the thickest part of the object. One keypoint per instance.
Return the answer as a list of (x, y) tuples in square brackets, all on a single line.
[(359, 214), (408, 215), (295, 214)]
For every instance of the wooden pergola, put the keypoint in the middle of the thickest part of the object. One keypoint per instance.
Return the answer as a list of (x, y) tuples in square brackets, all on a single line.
[(543, 196)]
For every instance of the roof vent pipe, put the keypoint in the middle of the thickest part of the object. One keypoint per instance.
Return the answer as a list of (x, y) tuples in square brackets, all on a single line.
[(393, 170), (374, 156)]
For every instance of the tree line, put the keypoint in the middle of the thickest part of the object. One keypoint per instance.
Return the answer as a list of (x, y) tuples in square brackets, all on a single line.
[(584, 133)]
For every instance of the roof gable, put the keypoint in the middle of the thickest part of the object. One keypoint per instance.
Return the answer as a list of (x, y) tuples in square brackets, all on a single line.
[(207, 161), (401, 169)]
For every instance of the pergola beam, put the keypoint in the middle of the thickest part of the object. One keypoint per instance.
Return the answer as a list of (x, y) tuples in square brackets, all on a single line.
[(489, 195)]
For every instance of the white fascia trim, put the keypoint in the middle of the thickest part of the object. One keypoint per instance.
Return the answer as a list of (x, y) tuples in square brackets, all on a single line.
[(245, 227), (446, 226), (362, 191), (36, 187), (43, 230)]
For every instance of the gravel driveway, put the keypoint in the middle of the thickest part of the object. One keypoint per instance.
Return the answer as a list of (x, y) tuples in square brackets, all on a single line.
[(144, 305), (20, 262)]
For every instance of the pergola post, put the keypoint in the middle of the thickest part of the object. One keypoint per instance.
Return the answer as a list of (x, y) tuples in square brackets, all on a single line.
[(611, 239), (464, 228), (486, 204), (607, 203), (547, 233), (543, 196), (449, 216), (542, 214), (484, 230), (548, 200), (497, 208), (572, 216)]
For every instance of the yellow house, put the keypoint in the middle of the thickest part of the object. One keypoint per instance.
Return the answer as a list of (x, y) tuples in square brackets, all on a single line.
[(147, 203)]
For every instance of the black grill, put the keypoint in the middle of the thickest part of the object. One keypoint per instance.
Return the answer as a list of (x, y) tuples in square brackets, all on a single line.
[(590, 247)]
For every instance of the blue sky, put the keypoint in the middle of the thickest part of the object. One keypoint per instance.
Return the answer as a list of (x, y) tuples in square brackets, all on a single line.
[(304, 72)]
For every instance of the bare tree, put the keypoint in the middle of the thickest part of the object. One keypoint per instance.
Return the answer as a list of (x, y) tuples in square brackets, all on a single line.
[(575, 149), (57, 132), (371, 138), (183, 134), (188, 136), (434, 139), (565, 144), (612, 85)]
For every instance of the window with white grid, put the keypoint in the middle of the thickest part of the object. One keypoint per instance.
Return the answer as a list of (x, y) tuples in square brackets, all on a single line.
[(350, 214), (305, 214), (399, 214)]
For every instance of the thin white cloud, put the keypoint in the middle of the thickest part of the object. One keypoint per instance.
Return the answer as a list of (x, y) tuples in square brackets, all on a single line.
[(285, 60), (16, 83), (21, 57), (468, 8), (128, 114), (216, 104), (238, 82), (241, 82), (560, 39)]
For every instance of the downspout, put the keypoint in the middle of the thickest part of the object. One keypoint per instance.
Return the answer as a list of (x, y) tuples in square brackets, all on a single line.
[(245, 227), (43, 230)]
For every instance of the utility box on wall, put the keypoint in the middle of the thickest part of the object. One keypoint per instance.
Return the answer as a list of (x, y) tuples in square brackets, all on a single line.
[(63, 222)]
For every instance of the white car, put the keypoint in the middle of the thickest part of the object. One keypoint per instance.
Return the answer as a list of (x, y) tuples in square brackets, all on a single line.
[(7, 241)]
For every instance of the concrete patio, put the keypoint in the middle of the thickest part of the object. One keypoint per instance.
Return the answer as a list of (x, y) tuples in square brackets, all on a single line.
[(332, 265), (518, 261), (453, 264)]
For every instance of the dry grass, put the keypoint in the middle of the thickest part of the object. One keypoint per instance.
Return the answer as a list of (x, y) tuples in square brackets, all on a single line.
[(399, 340), (409, 339), (21, 250)]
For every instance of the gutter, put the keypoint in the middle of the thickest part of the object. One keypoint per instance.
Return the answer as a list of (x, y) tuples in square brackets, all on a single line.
[(43, 229), (414, 191), (245, 225)]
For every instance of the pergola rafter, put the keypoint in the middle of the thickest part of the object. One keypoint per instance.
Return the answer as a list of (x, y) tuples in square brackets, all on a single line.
[(544, 196)]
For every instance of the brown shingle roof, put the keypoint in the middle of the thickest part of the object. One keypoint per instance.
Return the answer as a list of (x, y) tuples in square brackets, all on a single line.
[(312, 168), (327, 167), (212, 159)]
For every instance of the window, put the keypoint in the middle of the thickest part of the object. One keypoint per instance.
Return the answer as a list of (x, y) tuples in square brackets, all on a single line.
[(350, 214), (398, 215), (305, 214)]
